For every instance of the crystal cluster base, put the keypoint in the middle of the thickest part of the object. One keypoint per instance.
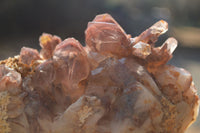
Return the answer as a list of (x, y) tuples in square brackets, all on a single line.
[(115, 84)]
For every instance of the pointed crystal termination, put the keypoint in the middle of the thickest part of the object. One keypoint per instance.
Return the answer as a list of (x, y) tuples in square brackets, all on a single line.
[(151, 35), (48, 44), (107, 18), (169, 45), (70, 57), (161, 55), (159, 28), (105, 36), (141, 50), (115, 84), (28, 55), (9, 78), (44, 75)]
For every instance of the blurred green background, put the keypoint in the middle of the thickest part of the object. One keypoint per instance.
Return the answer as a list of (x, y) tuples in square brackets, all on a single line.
[(23, 21)]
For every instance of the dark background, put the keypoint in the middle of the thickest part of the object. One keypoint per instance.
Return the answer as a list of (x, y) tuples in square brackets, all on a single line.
[(23, 21)]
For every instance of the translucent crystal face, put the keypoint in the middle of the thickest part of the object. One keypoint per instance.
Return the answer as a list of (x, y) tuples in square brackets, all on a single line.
[(115, 84), (170, 45), (141, 49)]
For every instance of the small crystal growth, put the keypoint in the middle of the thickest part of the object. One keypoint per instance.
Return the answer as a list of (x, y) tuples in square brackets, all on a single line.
[(114, 84)]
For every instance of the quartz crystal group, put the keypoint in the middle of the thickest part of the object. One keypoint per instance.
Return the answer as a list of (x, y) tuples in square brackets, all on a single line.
[(114, 84)]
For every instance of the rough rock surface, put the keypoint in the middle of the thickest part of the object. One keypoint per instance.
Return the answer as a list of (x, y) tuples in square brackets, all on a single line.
[(115, 84)]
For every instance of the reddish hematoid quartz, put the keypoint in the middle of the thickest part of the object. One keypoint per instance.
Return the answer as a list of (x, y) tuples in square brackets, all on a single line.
[(115, 84)]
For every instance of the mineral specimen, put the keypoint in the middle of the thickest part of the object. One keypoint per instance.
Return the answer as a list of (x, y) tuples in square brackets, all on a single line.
[(115, 84)]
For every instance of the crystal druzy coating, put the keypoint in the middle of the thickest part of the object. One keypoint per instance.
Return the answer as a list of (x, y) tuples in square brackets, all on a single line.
[(115, 84)]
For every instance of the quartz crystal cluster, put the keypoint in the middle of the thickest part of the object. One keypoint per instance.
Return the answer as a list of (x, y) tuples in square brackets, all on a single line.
[(115, 84)]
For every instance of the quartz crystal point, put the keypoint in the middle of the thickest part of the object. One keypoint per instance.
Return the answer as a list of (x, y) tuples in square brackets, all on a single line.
[(115, 84), (104, 35), (151, 34)]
